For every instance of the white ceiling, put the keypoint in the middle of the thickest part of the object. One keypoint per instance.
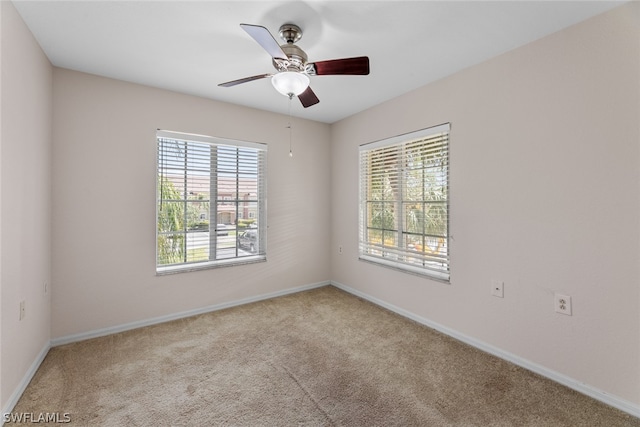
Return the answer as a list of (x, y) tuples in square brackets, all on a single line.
[(190, 47)]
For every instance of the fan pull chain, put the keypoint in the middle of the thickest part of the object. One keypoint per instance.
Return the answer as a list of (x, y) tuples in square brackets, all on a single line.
[(289, 126)]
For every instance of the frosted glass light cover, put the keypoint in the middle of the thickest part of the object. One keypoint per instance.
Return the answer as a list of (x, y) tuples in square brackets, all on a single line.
[(290, 82)]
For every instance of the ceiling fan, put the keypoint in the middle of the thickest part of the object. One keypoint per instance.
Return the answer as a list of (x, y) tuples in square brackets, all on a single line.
[(293, 70)]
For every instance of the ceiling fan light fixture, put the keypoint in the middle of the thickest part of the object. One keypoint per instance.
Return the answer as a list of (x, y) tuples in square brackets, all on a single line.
[(290, 82)]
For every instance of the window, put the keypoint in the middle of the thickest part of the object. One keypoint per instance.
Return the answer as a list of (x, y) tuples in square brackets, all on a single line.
[(200, 177), (404, 203)]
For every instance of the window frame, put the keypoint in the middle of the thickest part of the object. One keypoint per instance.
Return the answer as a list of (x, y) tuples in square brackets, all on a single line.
[(390, 247), (213, 175)]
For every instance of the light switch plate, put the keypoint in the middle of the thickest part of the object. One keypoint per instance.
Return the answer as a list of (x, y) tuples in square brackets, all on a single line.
[(497, 288)]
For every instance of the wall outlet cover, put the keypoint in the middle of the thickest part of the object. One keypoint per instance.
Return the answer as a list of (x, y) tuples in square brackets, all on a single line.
[(563, 304)]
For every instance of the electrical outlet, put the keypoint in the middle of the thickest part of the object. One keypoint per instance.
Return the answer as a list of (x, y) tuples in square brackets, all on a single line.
[(45, 288), (563, 304), (497, 288), (340, 249), (22, 310)]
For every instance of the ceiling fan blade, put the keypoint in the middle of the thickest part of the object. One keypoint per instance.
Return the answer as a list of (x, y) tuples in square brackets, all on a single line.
[(265, 39), (349, 66), (308, 98), (245, 80)]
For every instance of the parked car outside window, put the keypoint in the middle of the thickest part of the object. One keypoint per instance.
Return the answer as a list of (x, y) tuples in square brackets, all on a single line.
[(249, 240)]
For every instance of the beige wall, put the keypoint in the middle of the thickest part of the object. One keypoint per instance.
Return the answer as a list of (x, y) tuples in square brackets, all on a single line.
[(25, 177), (104, 203), (545, 166)]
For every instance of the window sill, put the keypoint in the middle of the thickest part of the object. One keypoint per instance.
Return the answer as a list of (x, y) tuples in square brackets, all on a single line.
[(405, 268), (196, 266)]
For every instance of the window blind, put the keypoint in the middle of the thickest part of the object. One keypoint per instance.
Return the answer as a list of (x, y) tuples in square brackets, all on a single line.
[(211, 200), (404, 203)]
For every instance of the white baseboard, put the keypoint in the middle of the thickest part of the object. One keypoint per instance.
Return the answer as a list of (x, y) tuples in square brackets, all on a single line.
[(169, 317), (593, 392), (25, 382), (578, 386)]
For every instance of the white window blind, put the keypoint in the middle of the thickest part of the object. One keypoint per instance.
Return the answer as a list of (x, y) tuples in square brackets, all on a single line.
[(211, 202), (404, 203)]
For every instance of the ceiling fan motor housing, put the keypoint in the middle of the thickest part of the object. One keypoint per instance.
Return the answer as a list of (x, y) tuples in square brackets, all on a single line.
[(297, 59)]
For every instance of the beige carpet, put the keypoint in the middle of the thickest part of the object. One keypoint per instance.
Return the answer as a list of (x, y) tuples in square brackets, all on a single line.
[(317, 358)]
